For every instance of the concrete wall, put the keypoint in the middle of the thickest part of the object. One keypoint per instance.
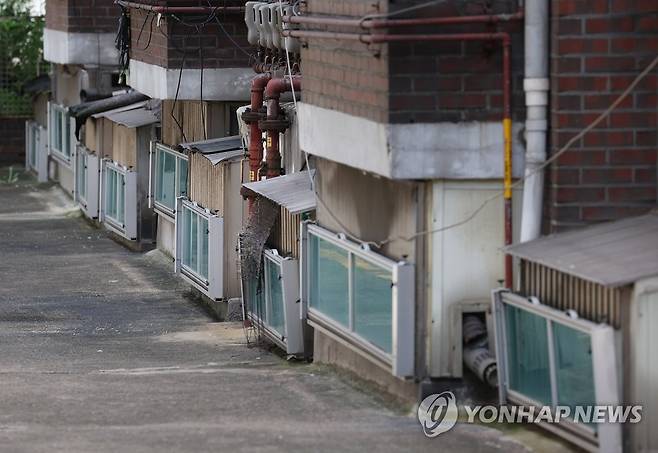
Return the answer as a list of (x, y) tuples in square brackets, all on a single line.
[(598, 48), (372, 208)]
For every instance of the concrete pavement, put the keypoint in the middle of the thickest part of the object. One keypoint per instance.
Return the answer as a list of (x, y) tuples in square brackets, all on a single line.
[(102, 349)]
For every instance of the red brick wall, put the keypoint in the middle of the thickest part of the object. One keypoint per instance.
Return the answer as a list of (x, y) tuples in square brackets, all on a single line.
[(346, 76), (412, 82), (165, 45), (453, 80), (598, 47), (82, 16)]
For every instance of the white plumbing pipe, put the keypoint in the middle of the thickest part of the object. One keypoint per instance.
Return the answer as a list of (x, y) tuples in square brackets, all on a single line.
[(536, 86)]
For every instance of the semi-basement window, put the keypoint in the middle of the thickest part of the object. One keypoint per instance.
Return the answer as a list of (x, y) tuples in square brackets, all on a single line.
[(549, 358), (199, 247), (169, 175), (86, 181), (60, 132), (273, 302), (363, 297), (120, 199)]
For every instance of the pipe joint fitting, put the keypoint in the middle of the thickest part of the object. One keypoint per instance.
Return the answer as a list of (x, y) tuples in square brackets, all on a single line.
[(274, 125), (250, 117)]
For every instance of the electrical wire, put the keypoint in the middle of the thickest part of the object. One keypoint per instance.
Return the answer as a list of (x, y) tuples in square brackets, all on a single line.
[(542, 167)]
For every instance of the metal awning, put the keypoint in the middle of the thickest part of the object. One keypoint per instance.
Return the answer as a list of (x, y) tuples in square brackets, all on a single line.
[(216, 158), (215, 145), (135, 117), (611, 254), (293, 192), (125, 108)]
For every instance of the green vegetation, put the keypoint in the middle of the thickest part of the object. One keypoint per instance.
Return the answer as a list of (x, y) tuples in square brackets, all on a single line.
[(21, 42)]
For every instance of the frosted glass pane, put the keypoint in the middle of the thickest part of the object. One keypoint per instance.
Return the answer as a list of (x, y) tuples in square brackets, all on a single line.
[(182, 177), (194, 238), (373, 303), (329, 280), (275, 291), (166, 179), (185, 239), (121, 198), (203, 260), (573, 367), (527, 354)]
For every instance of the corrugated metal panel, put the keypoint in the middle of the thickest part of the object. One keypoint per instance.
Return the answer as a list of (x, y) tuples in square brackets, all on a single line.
[(563, 291), (294, 191), (216, 145), (611, 254), (125, 108), (134, 118), (645, 371)]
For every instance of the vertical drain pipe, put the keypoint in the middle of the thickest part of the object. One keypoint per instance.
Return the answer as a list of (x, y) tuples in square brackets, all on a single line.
[(507, 140), (536, 86)]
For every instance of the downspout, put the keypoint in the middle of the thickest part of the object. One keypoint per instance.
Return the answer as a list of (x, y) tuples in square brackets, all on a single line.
[(536, 86), (274, 123)]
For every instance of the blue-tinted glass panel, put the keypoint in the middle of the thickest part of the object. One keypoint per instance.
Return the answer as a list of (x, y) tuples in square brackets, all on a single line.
[(185, 237), (275, 292), (203, 259), (573, 367), (329, 280), (373, 303), (182, 177), (527, 354), (166, 179)]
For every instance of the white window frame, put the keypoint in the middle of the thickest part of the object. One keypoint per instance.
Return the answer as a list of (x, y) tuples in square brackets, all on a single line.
[(36, 145), (161, 209), (213, 286), (400, 362), (128, 228), (87, 163), (608, 437), (292, 340), (61, 154)]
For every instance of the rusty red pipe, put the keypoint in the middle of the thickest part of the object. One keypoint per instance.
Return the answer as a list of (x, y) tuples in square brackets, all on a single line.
[(387, 23), (276, 125), (180, 9), (258, 85)]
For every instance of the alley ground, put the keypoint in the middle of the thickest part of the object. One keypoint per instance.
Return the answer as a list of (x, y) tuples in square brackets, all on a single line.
[(102, 349)]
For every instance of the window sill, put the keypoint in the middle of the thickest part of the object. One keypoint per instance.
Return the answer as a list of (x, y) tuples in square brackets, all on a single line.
[(61, 158)]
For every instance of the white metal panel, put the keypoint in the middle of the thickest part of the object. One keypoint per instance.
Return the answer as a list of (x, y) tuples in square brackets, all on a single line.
[(42, 155), (215, 257), (466, 262), (644, 365), (130, 228), (93, 183)]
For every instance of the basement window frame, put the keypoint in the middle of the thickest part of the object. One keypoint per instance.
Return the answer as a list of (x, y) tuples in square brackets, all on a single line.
[(61, 136), (212, 284), (157, 151), (290, 337), (401, 359), (126, 226), (87, 176), (603, 349)]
